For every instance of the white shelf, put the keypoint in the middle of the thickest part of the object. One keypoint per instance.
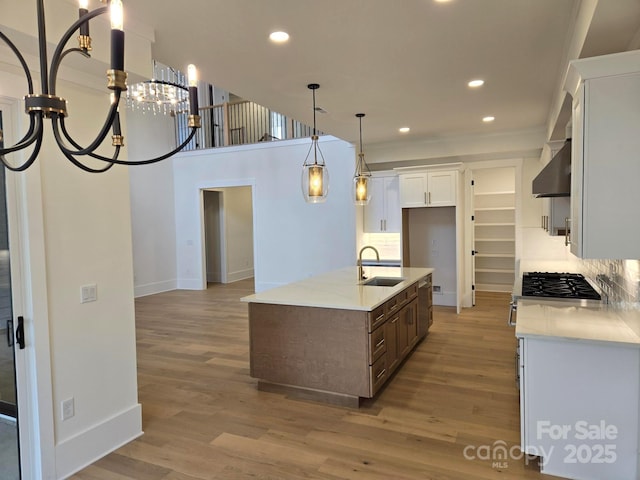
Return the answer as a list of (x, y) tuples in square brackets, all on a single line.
[(506, 192), (494, 287), (495, 239), (496, 255), (495, 224), (495, 270), (494, 209)]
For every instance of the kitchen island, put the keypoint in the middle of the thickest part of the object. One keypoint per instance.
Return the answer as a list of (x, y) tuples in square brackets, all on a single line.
[(335, 338)]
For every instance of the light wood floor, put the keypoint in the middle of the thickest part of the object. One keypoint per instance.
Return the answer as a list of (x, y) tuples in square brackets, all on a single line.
[(204, 419)]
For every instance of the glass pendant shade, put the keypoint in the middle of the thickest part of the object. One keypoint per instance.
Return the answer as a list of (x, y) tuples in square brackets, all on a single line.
[(315, 175), (361, 191)]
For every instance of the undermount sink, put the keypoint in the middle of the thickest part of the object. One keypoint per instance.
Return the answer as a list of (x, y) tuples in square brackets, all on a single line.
[(383, 281)]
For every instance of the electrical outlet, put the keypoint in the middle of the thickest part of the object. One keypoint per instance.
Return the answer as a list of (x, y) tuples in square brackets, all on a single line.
[(68, 408), (437, 289), (88, 293)]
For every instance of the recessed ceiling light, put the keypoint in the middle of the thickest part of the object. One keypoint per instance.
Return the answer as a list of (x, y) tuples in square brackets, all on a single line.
[(279, 37), (476, 83), (404, 129), (488, 119)]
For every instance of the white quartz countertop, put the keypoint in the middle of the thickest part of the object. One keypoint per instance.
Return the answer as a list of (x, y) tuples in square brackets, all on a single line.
[(606, 323), (341, 289)]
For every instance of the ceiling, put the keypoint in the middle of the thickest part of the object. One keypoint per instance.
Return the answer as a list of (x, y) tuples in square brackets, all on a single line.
[(402, 63)]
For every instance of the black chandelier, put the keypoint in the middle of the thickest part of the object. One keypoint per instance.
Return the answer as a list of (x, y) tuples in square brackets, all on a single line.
[(48, 105)]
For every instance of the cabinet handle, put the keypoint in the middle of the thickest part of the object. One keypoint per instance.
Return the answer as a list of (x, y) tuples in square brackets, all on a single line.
[(385, 225), (567, 237), (380, 343), (381, 228), (394, 320), (379, 317), (381, 373), (429, 198), (425, 198)]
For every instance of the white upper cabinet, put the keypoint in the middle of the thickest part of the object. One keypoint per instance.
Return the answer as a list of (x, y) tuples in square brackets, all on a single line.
[(428, 189), (383, 213), (605, 169)]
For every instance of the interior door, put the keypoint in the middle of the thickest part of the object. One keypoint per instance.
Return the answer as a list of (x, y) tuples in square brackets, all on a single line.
[(9, 450)]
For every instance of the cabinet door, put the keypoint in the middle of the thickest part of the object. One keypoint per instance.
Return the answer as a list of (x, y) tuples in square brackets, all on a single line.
[(441, 189), (383, 213), (393, 211), (391, 337), (374, 212), (610, 194), (411, 321), (577, 159), (413, 190)]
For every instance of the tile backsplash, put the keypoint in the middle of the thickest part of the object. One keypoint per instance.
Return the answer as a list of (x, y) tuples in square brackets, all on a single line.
[(618, 279)]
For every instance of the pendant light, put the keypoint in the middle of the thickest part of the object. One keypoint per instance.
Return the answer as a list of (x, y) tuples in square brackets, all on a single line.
[(315, 176), (361, 191)]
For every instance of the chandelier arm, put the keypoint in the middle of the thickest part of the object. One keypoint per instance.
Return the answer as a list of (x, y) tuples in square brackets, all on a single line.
[(59, 54), (116, 153), (21, 59), (32, 158), (53, 75), (28, 138), (99, 138), (115, 161), (82, 166), (163, 157)]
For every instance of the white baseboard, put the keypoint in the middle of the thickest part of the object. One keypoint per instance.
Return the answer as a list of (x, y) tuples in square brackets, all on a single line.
[(81, 450), (240, 275), (151, 288), (190, 284)]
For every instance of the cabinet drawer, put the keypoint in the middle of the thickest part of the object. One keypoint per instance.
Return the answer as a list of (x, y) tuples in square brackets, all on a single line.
[(377, 344), (377, 317), (393, 305), (412, 291), (378, 374)]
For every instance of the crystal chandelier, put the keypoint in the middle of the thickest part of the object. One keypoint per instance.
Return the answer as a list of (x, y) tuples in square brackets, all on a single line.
[(166, 93), (47, 105)]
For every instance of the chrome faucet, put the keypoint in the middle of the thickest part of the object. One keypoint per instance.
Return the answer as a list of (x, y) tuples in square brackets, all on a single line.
[(360, 269)]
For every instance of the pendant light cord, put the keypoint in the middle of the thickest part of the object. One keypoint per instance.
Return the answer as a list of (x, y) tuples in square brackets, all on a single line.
[(314, 111), (360, 134)]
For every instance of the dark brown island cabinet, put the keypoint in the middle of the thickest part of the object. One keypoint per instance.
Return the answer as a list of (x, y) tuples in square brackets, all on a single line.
[(338, 355)]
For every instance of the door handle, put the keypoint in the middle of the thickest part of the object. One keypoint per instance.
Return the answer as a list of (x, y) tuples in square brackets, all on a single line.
[(10, 333), (20, 333)]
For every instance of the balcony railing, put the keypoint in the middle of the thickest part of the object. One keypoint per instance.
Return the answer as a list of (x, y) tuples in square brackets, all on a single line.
[(239, 123)]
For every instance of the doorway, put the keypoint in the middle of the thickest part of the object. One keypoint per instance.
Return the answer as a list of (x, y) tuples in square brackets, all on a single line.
[(228, 234), (9, 446)]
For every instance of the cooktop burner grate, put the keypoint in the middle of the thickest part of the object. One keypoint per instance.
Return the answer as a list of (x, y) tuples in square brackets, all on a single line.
[(557, 285)]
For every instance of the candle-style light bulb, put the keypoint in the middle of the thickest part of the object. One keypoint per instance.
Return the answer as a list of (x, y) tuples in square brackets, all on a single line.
[(192, 75), (117, 36), (84, 39), (117, 15)]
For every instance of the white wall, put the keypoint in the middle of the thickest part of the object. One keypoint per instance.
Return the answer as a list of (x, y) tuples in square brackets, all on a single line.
[(293, 239), (152, 203), (71, 228), (238, 227)]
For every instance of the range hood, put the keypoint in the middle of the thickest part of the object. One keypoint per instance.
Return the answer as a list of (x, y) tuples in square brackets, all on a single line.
[(554, 180)]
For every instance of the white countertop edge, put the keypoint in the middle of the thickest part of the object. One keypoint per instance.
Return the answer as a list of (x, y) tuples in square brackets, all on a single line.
[(341, 289), (604, 324)]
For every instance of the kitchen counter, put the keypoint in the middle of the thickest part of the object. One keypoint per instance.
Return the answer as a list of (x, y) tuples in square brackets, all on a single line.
[(561, 319), (341, 289)]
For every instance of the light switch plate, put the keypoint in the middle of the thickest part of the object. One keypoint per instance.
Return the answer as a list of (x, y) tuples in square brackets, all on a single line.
[(88, 293)]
